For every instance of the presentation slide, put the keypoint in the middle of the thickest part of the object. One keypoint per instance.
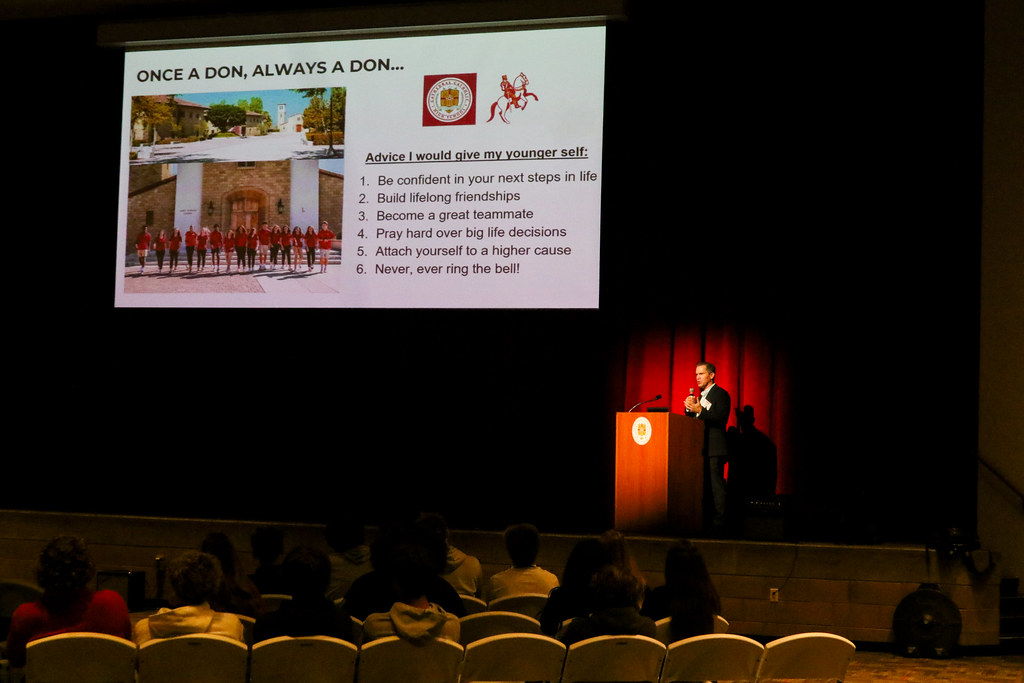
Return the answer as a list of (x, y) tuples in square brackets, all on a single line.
[(435, 171)]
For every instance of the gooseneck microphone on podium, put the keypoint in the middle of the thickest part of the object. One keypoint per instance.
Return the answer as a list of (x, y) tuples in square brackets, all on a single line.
[(647, 401)]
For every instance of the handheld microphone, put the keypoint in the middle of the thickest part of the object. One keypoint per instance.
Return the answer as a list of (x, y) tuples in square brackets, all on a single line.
[(643, 402)]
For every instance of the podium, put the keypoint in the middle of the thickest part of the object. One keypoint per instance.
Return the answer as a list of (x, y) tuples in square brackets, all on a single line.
[(659, 473)]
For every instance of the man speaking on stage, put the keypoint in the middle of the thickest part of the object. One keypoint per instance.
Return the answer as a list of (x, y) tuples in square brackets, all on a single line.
[(712, 408)]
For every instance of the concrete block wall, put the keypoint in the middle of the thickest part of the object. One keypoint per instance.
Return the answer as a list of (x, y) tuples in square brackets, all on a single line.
[(852, 591)]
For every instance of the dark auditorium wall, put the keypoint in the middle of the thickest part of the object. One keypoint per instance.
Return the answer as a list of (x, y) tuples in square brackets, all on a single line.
[(826, 164)]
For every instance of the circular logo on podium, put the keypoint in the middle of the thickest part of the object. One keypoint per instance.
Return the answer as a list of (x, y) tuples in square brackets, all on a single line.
[(641, 430)]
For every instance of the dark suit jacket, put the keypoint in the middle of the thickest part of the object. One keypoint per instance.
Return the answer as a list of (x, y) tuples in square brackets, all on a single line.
[(715, 419)]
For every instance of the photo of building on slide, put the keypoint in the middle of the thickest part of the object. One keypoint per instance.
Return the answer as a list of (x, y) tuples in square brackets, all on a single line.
[(237, 215), (304, 123)]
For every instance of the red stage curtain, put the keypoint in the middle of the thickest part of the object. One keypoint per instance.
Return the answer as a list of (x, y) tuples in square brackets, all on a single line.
[(662, 357)]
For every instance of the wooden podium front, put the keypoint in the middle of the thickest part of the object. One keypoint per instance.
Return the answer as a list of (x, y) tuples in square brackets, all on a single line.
[(659, 473)]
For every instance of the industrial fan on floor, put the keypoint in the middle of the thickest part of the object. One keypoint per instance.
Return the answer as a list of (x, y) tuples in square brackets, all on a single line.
[(927, 623)]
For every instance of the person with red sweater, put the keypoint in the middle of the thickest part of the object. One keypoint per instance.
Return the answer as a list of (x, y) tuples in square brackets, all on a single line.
[(241, 241), (64, 572), (161, 249), (252, 247), (264, 245), (286, 247), (229, 246), (297, 243), (174, 246), (325, 236), (142, 247), (216, 242), (311, 241), (190, 246), (201, 244)]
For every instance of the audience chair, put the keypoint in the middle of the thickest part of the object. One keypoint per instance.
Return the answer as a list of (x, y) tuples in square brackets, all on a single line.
[(271, 601), (614, 658), (664, 630), (248, 626), (357, 630), (198, 658), (806, 655), (311, 659), (476, 626), (80, 658), (514, 657), (529, 604), (712, 657), (393, 660), (473, 604)]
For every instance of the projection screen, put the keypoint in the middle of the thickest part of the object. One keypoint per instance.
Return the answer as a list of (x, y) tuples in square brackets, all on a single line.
[(448, 171)]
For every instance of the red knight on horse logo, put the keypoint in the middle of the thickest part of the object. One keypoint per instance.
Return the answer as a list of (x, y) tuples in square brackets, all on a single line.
[(513, 96)]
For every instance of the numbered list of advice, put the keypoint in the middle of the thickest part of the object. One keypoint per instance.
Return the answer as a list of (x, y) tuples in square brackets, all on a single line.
[(443, 214)]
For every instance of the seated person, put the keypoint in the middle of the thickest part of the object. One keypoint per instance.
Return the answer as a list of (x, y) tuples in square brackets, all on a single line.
[(307, 572), (573, 596), (462, 571), (412, 617), (374, 591), (350, 555), (522, 541), (267, 548), (688, 595), (237, 593), (617, 598), (195, 578), (64, 572)]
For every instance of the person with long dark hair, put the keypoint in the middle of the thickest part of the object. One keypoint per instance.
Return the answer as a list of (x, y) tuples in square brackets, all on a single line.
[(286, 247), (311, 241), (251, 247), (216, 242), (688, 594), (64, 572), (161, 248), (238, 594), (173, 247), (574, 597)]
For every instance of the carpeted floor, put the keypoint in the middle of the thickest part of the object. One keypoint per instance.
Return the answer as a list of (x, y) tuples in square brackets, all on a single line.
[(872, 667)]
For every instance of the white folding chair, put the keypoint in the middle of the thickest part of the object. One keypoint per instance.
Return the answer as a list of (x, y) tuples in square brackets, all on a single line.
[(712, 657), (614, 658), (514, 657), (476, 626), (198, 658), (80, 658), (393, 660), (271, 601), (311, 659), (806, 655), (248, 627), (665, 628), (529, 604), (473, 604)]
